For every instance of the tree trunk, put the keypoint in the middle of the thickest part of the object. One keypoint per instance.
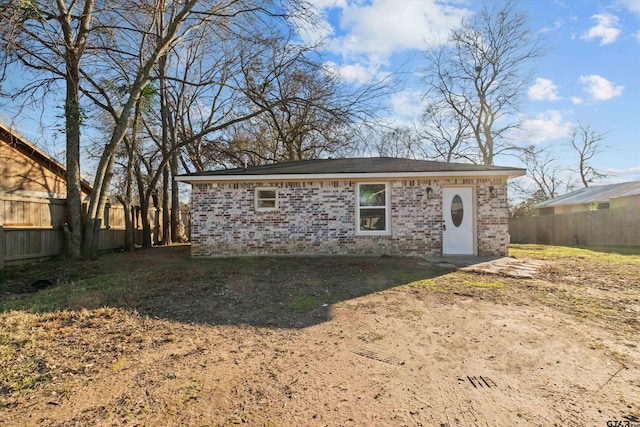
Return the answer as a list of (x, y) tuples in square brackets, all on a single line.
[(144, 208), (129, 236), (72, 113), (146, 226), (166, 207), (167, 136), (177, 230), (75, 41), (128, 223), (94, 222)]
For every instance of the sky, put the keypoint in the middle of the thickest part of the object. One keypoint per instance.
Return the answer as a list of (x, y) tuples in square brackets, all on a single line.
[(589, 73)]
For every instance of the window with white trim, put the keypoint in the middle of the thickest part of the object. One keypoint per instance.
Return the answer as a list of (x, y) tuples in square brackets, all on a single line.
[(372, 208), (266, 199)]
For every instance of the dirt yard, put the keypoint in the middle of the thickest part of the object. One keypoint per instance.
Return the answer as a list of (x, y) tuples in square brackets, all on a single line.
[(156, 338)]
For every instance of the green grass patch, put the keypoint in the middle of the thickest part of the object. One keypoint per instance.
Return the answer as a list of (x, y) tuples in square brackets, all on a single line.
[(609, 254), (92, 293), (456, 281), (24, 378), (304, 303)]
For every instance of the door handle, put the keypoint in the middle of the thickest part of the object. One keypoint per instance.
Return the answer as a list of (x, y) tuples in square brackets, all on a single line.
[(444, 226)]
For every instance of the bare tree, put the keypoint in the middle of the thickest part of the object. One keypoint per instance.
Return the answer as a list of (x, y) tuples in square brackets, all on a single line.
[(587, 143), (475, 81), (549, 177), (316, 110), (125, 45), (50, 40), (545, 180), (399, 141), (305, 110), (447, 134)]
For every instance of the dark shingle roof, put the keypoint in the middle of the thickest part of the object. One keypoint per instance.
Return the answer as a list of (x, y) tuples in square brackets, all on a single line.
[(355, 166), (594, 194)]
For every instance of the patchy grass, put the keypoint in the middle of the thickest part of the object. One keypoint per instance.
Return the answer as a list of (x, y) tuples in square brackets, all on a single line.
[(603, 268), (458, 281), (103, 313), (609, 254), (304, 303)]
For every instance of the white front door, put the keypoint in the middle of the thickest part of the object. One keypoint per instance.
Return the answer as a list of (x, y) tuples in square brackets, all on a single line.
[(457, 221)]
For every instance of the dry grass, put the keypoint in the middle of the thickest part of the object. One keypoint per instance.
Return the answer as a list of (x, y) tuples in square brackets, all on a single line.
[(103, 314)]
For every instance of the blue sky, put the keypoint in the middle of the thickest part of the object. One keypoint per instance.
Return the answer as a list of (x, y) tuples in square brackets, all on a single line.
[(590, 72)]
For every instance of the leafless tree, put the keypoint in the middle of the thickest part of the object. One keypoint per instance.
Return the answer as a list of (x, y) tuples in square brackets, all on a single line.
[(49, 40), (545, 179), (475, 81), (315, 111), (446, 134), (587, 143), (305, 110), (125, 45), (398, 141)]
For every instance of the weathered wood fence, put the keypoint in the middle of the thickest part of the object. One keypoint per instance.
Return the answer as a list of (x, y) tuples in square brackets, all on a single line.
[(606, 227), (33, 228)]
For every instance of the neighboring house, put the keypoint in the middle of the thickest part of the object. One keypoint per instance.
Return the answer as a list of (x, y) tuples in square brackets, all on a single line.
[(592, 198), (377, 206), (28, 171)]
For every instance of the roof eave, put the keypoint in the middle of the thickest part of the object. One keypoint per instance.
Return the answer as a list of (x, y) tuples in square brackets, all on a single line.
[(507, 173), (555, 205), (20, 143)]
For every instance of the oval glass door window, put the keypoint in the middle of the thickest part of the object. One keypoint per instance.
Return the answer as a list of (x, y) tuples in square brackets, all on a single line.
[(457, 210)]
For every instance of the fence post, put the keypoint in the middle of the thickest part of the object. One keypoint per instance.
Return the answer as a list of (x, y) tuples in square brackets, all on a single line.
[(1, 250), (2, 237)]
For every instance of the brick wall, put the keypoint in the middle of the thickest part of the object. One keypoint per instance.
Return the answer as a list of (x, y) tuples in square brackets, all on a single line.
[(319, 218)]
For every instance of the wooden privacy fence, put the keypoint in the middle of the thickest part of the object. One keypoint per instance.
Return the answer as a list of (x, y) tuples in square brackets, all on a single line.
[(606, 227), (33, 228)]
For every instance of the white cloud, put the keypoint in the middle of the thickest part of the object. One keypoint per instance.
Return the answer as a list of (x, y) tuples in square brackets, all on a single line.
[(547, 126), (326, 4), (382, 27), (632, 5), (615, 176), (600, 88), (356, 73), (407, 103), (606, 29), (543, 89), (577, 100), (558, 23)]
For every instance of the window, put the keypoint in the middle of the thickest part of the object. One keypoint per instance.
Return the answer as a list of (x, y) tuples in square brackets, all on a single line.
[(457, 210), (372, 209), (266, 199)]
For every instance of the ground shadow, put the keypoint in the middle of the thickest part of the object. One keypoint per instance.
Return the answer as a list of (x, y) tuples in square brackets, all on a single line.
[(289, 292)]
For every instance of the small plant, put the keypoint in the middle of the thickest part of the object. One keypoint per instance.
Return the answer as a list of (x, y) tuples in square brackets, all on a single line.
[(64, 390), (455, 281), (192, 392), (119, 364), (304, 303)]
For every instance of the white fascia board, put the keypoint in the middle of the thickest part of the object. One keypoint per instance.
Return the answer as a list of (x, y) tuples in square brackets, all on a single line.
[(509, 173)]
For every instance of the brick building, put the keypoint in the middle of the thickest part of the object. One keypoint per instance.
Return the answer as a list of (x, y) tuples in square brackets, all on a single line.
[(376, 206)]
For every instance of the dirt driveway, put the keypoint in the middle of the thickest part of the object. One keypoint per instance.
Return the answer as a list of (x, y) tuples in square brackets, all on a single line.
[(325, 342)]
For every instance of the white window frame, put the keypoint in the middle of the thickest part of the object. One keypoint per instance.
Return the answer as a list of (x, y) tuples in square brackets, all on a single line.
[(257, 198), (386, 207)]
